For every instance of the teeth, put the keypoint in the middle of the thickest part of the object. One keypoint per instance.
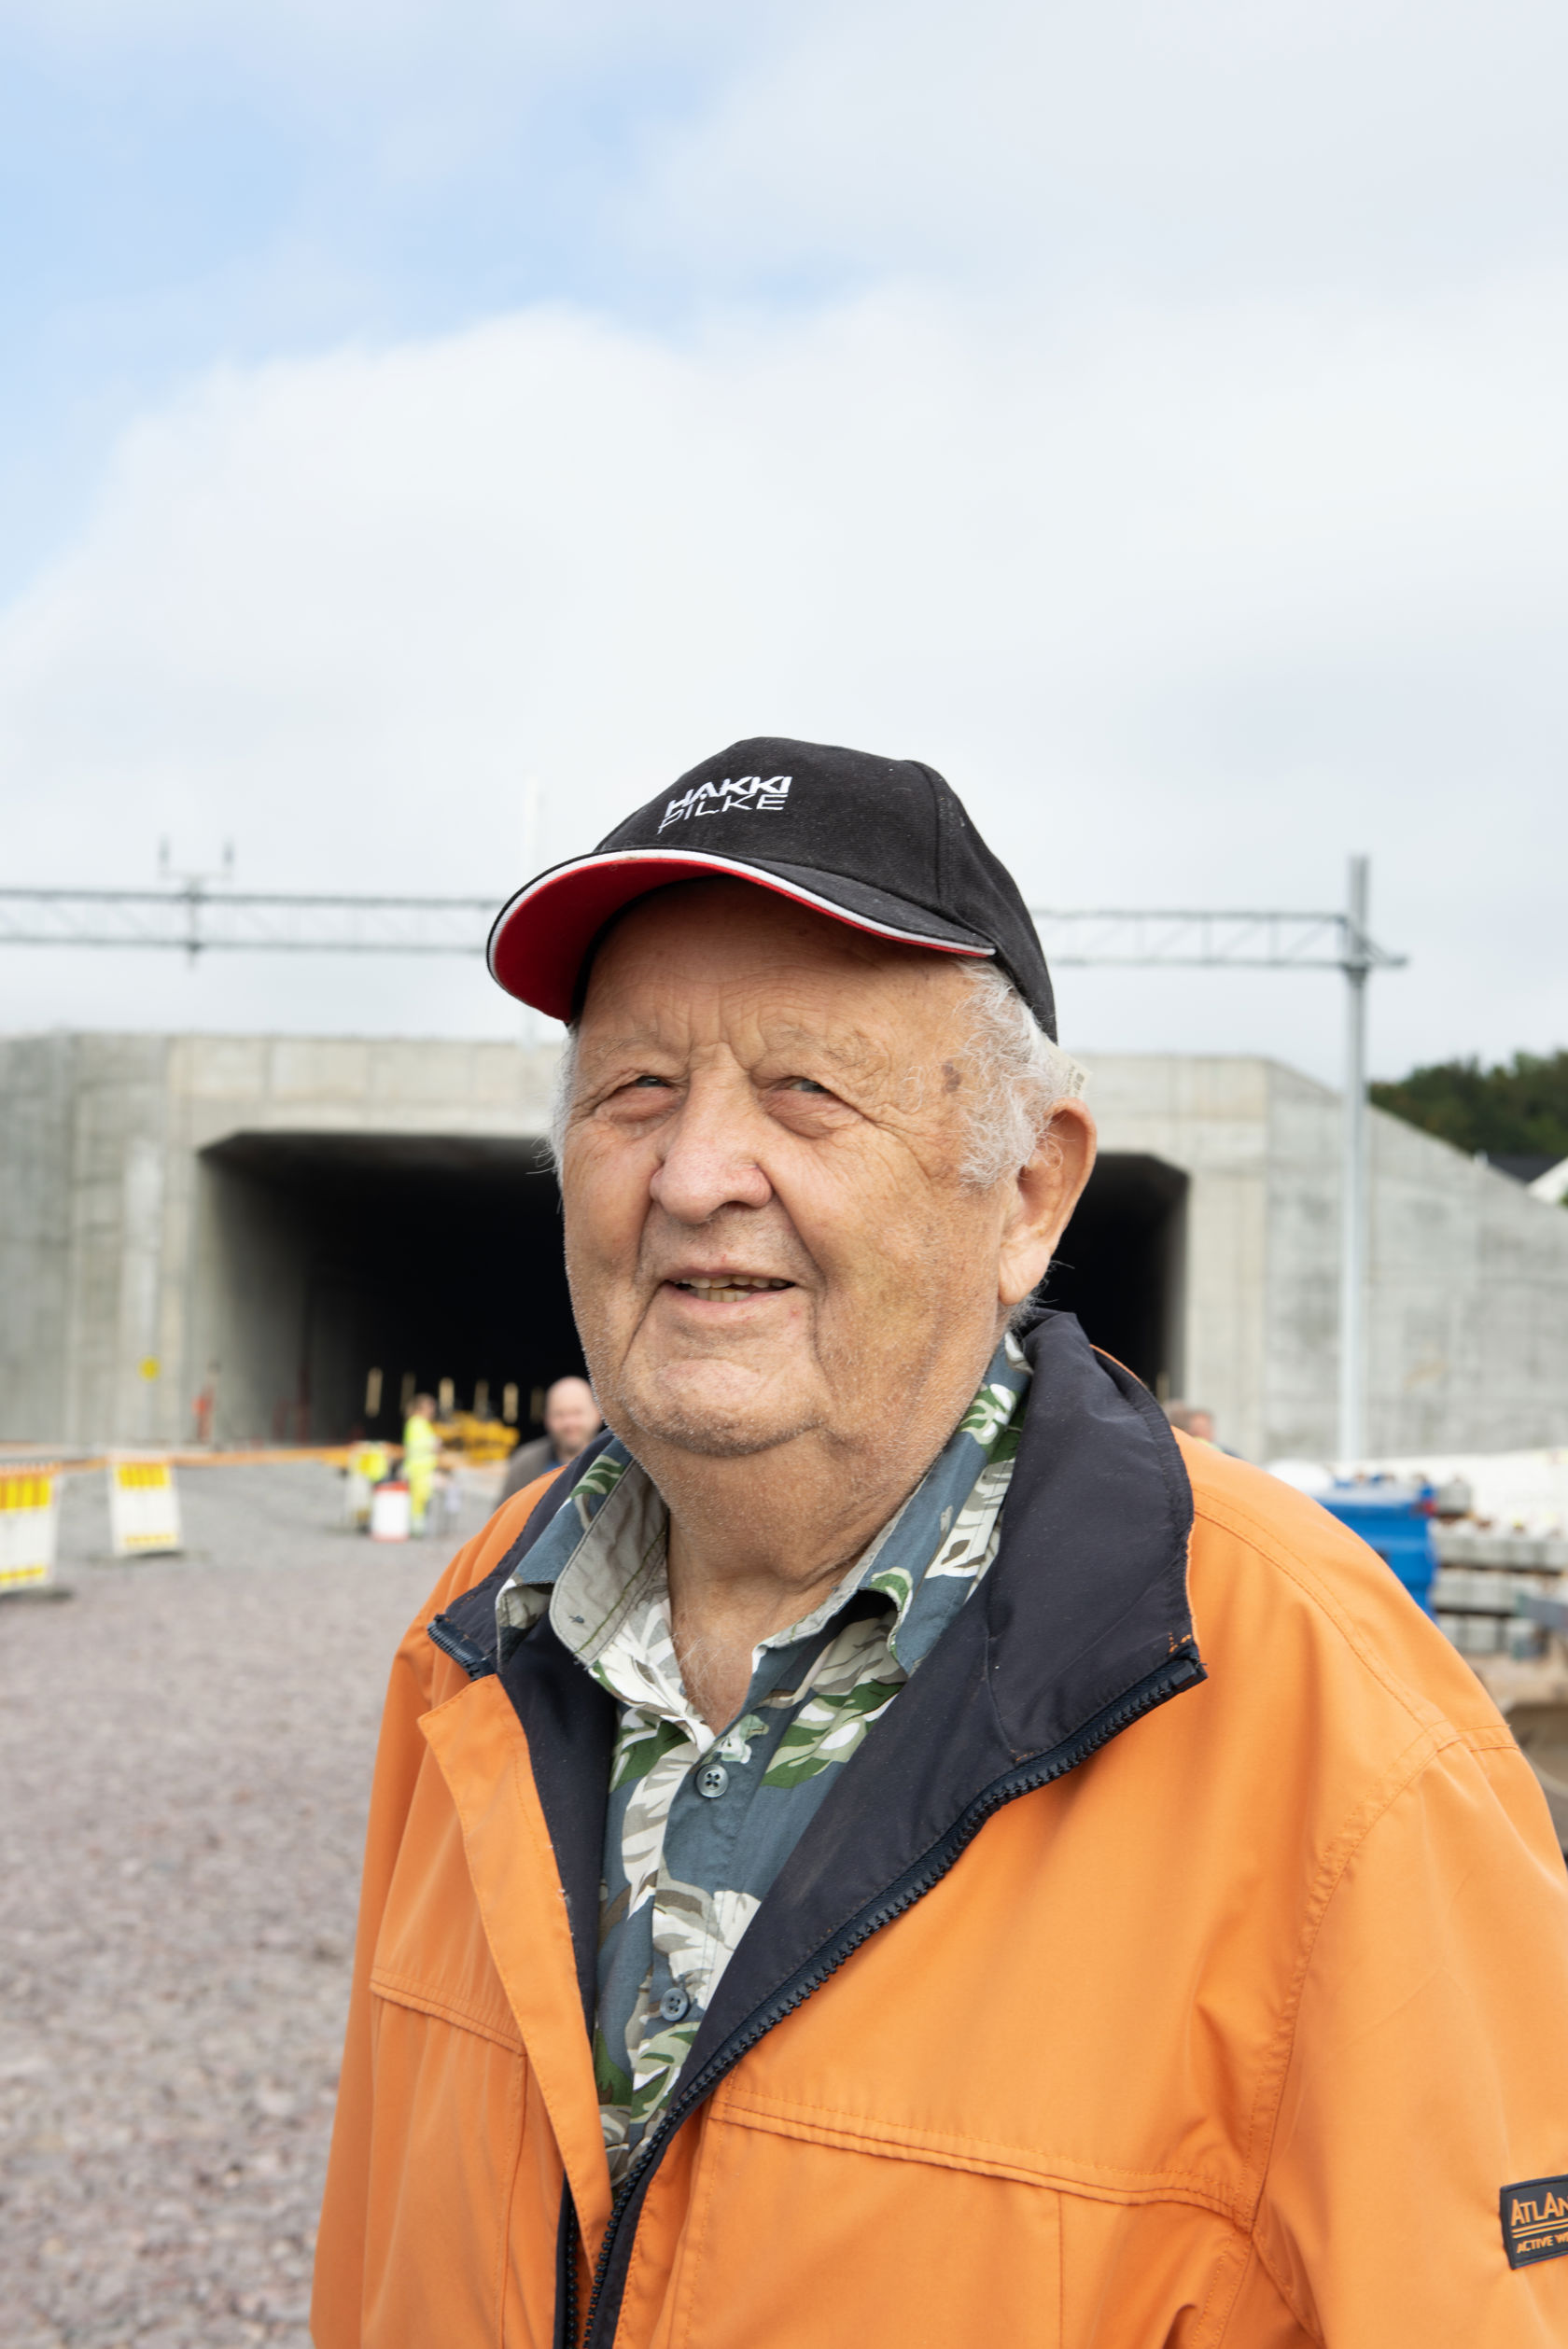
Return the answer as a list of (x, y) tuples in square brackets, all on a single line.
[(730, 1288)]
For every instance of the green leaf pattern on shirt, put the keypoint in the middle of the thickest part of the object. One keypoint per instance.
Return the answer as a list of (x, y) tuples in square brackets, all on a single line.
[(595, 1483), (988, 1414), (828, 1729), (642, 1829), (642, 1743), (684, 1875)]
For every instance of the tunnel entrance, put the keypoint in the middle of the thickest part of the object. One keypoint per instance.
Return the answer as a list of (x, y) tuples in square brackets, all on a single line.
[(330, 1257), (1120, 1267), (427, 1257)]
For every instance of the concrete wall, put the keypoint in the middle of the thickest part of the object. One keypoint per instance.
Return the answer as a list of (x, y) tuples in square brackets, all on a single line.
[(95, 1285), (1469, 1325), (121, 1245), (1468, 1273), (230, 1084), (252, 1268), (36, 1107), (1298, 1403), (1209, 1117), (121, 1242)]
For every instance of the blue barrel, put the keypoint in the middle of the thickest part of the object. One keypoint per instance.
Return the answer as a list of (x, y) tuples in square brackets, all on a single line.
[(1395, 1520)]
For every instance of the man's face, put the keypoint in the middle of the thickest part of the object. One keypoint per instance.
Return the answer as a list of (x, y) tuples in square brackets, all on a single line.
[(767, 1235), (571, 1416)]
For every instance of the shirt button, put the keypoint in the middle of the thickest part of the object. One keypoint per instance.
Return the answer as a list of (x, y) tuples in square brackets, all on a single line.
[(673, 2004), (712, 1781)]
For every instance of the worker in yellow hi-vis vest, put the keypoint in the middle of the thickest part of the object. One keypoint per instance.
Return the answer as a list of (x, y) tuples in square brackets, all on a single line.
[(421, 1452)]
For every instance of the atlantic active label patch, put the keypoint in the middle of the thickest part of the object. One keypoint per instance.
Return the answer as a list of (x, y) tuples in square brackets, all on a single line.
[(1536, 2220)]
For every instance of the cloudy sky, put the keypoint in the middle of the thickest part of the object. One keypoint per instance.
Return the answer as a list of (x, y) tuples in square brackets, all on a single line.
[(415, 416)]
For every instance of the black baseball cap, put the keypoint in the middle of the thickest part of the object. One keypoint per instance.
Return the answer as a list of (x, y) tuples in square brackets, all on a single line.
[(885, 844)]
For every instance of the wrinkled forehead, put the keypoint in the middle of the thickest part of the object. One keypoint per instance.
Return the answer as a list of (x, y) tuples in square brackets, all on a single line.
[(715, 957)]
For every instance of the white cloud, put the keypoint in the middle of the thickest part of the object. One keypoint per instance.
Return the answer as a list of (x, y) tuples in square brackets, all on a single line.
[(1188, 603)]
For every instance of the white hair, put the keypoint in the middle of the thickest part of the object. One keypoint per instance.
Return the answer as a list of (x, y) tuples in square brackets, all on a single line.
[(1018, 1077), (561, 1097)]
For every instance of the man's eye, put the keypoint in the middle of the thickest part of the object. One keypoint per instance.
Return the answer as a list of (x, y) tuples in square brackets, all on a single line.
[(805, 1084), (658, 1080)]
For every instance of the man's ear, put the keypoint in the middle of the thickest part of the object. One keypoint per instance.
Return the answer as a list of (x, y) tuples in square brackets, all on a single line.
[(1044, 1192)]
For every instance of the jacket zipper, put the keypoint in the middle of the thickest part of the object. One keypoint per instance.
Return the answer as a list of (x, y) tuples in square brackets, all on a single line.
[(476, 1661), (1179, 1674), (565, 2318)]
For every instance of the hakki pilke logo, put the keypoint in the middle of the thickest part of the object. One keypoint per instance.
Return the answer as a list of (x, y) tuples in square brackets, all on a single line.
[(738, 794)]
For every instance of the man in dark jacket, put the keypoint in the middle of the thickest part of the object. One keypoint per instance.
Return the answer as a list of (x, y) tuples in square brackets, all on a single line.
[(571, 1422)]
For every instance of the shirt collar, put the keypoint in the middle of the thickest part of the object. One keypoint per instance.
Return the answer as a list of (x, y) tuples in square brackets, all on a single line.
[(611, 1532)]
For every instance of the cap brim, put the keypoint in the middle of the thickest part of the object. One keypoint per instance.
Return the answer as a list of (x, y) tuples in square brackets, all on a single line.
[(541, 935)]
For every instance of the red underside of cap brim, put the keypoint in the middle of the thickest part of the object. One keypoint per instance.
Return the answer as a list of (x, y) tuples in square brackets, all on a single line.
[(541, 938)]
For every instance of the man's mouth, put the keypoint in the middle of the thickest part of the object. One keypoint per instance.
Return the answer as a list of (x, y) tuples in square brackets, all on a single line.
[(729, 1288)]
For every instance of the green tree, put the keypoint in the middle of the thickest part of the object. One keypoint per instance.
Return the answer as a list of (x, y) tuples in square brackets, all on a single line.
[(1513, 1109)]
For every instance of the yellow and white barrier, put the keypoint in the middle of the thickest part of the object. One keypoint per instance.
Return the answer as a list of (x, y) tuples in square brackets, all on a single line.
[(367, 1464), (143, 1506), (29, 1525)]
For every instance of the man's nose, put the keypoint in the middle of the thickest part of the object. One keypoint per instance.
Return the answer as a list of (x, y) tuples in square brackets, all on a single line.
[(711, 1159)]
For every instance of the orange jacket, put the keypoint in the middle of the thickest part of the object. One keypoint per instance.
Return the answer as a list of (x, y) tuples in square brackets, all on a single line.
[(1223, 2012)]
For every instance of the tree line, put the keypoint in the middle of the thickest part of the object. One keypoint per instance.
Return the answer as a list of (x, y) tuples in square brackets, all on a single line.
[(1515, 1110)]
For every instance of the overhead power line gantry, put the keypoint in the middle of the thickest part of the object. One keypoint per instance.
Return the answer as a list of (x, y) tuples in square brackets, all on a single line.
[(194, 917)]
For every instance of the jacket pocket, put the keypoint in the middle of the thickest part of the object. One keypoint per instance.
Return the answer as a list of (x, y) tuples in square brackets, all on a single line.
[(933, 2236), (448, 2110), (803, 2231)]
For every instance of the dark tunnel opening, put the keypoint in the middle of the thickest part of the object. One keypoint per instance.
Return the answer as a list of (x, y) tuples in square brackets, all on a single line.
[(1120, 1266), (423, 1257), (428, 1258)]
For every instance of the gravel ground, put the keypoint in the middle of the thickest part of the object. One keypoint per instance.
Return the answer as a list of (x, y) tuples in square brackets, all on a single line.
[(185, 1757)]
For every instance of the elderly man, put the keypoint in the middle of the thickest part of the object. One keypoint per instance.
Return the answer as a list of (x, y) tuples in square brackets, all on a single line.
[(816, 1893)]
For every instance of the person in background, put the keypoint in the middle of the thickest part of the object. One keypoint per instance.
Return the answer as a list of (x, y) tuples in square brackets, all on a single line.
[(421, 1454), (1196, 1421), (446, 1496), (204, 1407), (571, 1421)]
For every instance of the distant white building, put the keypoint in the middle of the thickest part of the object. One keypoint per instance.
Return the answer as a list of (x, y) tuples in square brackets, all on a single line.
[(270, 1218)]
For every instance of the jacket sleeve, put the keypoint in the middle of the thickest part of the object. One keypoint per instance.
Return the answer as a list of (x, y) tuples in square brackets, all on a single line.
[(338, 2297), (1428, 2070)]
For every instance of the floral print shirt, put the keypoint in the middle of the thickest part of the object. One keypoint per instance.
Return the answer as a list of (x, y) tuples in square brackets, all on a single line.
[(701, 1822)]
